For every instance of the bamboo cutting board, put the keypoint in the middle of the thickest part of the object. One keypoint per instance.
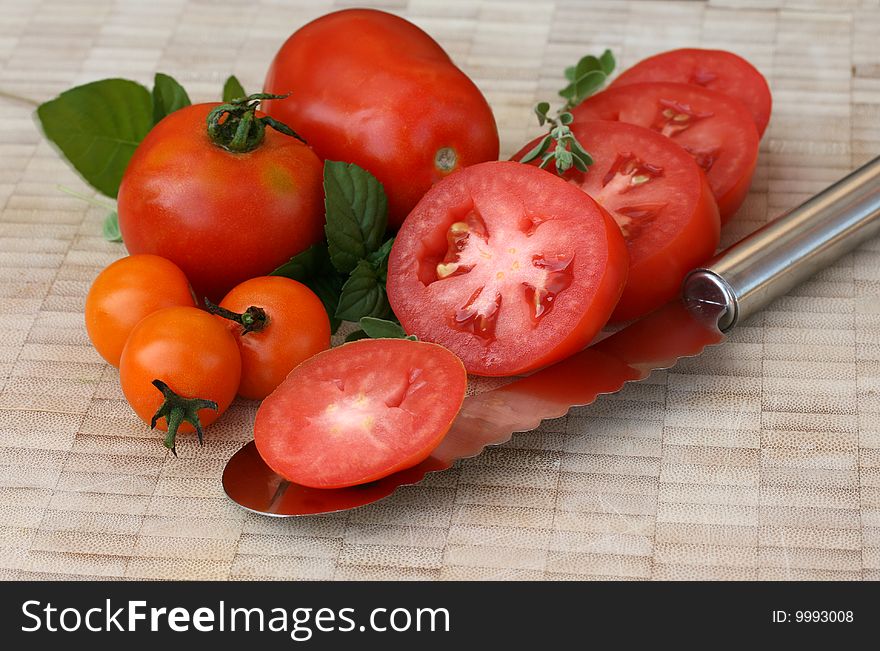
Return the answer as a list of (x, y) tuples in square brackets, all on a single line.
[(758, 460)]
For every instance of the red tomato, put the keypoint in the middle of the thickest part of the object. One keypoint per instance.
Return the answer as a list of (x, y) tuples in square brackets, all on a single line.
[(370, 88), (360, 412), (127, 291), (196, 363), (509, 267), (717, 131), (716, 70), (222, 217), (277, 323), (660, 199)]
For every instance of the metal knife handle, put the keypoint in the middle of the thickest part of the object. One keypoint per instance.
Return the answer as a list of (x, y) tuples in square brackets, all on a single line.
[(777, 257)]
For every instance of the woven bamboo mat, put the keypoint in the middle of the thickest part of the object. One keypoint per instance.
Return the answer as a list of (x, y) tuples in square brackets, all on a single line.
[(758, 460)]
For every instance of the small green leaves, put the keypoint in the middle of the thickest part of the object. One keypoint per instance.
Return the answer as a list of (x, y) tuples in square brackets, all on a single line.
[(566, 153), (313, 269), (110, 227), (560, 146), (585, 78), (363, 294), (233, 89), (374, 328), (168, 96), (97, 127), (349, 272), (357, 213)]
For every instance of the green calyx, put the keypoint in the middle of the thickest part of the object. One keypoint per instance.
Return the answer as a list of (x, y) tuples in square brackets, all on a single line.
[(235, 127), (252, 319), (559, 146), (176, 409)]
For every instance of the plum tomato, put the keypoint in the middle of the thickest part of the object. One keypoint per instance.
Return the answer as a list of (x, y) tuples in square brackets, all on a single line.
[(359, 412), (660, 199), (716, 130), (717, 70), (223, 210), (277, 323), (180, 370), (371, 88), (509, 267), (127, 291)]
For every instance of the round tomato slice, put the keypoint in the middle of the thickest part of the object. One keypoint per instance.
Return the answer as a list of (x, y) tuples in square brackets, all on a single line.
[(359, 412), (716, 130), (509, 267), (660, 199), (717, 70)]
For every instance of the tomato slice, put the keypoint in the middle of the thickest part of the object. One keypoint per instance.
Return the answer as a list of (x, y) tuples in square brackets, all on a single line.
[(715, 129), (660, 199), (359, 412), (717, 70), (508, 266)]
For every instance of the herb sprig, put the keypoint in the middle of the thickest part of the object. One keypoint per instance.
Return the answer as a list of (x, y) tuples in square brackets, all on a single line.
[(560, 146)]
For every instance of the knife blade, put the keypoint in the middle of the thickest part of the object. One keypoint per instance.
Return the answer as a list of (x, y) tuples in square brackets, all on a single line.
[(734, 285)]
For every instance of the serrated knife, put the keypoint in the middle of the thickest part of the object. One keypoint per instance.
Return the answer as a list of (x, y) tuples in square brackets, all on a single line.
[(737, 283)]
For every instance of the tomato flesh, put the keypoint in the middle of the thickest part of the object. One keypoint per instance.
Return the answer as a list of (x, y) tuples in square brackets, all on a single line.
[(716, 130), (508, 266), (717, 70), (659, 198), (359, 412)]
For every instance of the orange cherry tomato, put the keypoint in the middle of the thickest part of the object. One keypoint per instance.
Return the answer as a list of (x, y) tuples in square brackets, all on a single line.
[(179, 371), (127, 291), (278, 323)]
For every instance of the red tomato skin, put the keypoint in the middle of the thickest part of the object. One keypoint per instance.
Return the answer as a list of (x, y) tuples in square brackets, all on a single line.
[(412, 304), (729, 177), (730, 74), (191, 352), (221, 217), (370, 88), (127, 291), (282, 419), (297, 328), (657, 279), (655, 276)]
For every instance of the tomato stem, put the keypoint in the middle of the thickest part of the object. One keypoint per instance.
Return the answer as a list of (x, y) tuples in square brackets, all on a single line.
[(176, 409), (252, 319), (235, 127)]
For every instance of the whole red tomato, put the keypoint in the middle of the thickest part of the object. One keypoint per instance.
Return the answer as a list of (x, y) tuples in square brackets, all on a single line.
[(223, 210), (370, 88)]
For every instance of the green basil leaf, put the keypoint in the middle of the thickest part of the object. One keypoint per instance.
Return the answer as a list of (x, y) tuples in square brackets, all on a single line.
[(233, 89), (379, 259), (357, 335), (110, 228), (608, 62), (168, 96), (382, 328), (328, 288), (314, 261), (97, 128), (312, 268), (363, 295), (357, 213)]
